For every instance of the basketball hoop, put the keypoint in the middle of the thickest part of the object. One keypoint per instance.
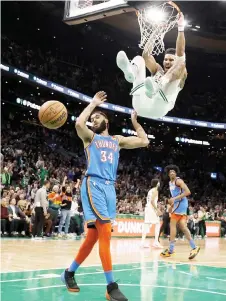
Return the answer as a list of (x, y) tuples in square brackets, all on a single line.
[(155, 21)]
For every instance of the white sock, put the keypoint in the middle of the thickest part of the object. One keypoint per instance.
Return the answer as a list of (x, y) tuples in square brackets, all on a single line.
[(157, 229), (139, 70), (134, 69)]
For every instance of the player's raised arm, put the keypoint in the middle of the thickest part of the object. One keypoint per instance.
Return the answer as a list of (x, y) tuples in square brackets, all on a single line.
[(150, 63), (82, 130), (134, 142), (180, 44)]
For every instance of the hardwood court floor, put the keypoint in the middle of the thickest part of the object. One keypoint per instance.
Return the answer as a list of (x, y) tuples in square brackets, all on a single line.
[(30, 270)]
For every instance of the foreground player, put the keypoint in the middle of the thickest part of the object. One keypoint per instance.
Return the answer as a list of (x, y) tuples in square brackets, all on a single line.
[(155, 96), (152, 213), (179, 202), (98, 190)]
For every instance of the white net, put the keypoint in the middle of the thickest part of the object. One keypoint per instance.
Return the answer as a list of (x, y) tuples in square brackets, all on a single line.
[(77, 7), (87, 3), (155, 21)]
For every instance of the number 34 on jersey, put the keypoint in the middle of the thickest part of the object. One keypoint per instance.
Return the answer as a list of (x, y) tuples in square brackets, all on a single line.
[(106, 156)]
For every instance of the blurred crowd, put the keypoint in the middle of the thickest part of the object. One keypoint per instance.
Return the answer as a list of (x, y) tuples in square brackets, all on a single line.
[(31, 154)]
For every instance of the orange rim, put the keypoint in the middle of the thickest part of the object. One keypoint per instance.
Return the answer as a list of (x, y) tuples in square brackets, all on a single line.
[(174, 5), (169, 2)]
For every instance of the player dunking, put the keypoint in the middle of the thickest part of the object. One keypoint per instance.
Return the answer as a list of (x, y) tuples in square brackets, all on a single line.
[(152, 213), (98, 190), (155, 96), (179, 202)]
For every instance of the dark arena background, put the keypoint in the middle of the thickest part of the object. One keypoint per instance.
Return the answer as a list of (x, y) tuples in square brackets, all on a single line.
[(52, 50)]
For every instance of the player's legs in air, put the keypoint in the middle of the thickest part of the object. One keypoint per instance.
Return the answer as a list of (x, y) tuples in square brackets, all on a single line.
[(99, 205), (135, 73), (149, 98)]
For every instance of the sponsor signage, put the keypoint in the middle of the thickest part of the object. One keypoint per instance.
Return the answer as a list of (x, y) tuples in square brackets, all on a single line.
[(132, 227)]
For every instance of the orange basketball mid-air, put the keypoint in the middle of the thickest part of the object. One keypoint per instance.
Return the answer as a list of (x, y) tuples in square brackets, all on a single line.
[(52, 114)]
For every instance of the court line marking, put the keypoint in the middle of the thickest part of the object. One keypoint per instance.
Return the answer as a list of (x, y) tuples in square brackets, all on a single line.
[(216, 279), (136, 262), (81, 274), (195, 263), (59, 268), (122, 284), (85, 266), (190, 274)]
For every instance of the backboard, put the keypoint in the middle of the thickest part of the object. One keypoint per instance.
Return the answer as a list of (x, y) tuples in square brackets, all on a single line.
[(81, 11)]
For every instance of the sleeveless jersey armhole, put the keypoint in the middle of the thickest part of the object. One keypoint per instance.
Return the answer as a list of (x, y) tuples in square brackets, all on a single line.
[(90, 141), (177, 185)]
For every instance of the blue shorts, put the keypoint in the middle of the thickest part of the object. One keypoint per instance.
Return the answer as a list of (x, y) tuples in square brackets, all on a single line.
[(98, 200), (180, 207)]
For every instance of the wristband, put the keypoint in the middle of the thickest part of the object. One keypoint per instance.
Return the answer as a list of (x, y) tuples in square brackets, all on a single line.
[(181, 28)]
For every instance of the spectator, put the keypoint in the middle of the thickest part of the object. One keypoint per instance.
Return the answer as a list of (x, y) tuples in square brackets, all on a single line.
[(17, 219), (202, 223), (193, 225), (55, 201), (65, 209), (4, 217), (6, 177), (40, 206)]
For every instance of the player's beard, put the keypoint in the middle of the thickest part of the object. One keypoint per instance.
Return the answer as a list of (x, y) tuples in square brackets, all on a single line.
[(101, 128)]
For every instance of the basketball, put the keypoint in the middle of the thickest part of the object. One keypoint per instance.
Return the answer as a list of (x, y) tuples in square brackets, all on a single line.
[(52, 114)]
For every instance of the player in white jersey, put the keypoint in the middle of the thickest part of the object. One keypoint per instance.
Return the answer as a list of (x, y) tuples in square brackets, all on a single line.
[(156, 95), (151, 214)]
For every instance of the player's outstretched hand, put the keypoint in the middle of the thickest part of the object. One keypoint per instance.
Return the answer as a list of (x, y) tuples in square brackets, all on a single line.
[(99, 98), (134, 116), (180, 21)]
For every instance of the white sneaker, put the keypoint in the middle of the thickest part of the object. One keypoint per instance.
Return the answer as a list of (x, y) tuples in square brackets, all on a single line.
[(67, 236), (124, 64), (38, 238), (157, 245), (149, 87), (60, 235)]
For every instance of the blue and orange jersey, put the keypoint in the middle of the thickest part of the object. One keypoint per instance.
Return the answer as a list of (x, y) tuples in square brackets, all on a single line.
[(102, 156), (181, 204)]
